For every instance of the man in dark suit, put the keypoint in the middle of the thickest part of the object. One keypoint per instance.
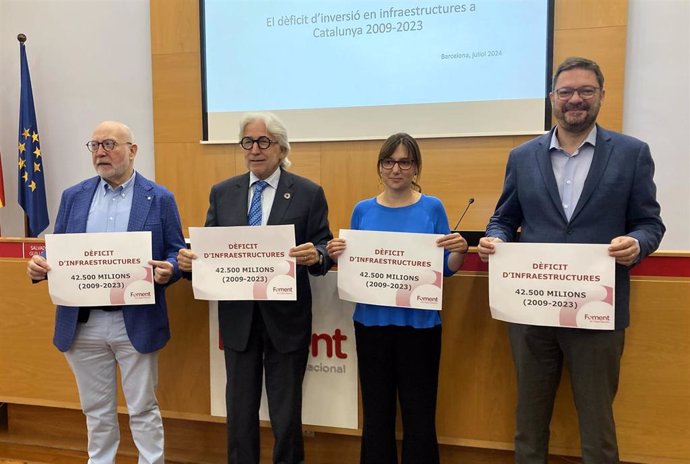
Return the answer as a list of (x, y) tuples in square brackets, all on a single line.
[(270, 336), (577, 184), (96, 340)]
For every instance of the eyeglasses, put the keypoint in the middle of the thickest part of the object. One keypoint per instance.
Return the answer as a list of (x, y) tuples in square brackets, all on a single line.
[(403, 164), (263, 142), (108, 144), (586, 92)]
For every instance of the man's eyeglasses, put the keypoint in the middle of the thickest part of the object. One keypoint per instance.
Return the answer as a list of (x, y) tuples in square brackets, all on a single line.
[(263, 142), (586, 92), (403, 164), (108, 144)]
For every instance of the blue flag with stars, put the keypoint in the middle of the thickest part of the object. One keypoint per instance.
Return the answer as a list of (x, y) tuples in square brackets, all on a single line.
[(32, 191)]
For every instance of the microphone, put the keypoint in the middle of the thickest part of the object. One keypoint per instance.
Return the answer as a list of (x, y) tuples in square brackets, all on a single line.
[(469, 202)]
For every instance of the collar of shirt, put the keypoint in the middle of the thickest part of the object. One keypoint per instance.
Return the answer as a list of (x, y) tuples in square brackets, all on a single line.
[(272, 180), (591, 139), (124, 189)]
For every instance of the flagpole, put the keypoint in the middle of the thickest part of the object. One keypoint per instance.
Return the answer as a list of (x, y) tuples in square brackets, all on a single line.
[(30, 166), (22, 38)]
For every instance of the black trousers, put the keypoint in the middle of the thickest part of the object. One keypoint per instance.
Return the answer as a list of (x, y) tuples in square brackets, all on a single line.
[(284, 376), (398, 363), (593, 359)]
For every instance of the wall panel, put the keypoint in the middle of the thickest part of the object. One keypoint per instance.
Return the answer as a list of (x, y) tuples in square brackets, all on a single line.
[(176, 97)]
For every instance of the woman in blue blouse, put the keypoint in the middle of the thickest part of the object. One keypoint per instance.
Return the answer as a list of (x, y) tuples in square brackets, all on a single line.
[(399, 349)]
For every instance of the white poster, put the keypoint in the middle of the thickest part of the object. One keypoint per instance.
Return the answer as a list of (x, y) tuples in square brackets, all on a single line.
[(391, 269), (100, 269), (243, 263), (552, 284), (330, 384)]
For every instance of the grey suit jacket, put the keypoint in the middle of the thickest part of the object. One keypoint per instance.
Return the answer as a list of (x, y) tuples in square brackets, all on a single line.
[(298, 201), (618, 198)]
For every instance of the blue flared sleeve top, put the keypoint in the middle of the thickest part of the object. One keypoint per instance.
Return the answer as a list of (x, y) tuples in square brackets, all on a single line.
[(425, 216)]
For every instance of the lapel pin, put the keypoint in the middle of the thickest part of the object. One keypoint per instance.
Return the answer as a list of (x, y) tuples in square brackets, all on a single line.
[(287, 196), (148, 198)]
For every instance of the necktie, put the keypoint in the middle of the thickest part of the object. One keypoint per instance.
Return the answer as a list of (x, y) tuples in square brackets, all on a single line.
[(254, 216)]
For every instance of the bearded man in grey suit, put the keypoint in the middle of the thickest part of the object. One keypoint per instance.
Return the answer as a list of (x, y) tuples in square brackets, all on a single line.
[(268, 336), (579, 183)]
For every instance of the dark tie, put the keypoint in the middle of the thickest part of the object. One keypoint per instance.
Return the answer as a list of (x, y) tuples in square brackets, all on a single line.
[(254, 215)]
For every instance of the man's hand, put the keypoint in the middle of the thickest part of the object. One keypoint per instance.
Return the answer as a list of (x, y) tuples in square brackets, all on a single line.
[(305, 254), (487, 247), (37, 268), (184, 259), (625, 249), (162, 271)]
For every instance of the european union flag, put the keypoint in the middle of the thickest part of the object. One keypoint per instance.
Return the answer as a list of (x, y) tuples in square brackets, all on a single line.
[(32, 191)]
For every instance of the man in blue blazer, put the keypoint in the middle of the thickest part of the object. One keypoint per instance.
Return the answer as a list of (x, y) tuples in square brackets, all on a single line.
[(97, 339), (577, 184), (270, 337)]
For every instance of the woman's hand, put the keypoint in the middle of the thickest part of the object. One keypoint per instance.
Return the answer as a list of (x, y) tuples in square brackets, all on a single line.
[(335, 248)]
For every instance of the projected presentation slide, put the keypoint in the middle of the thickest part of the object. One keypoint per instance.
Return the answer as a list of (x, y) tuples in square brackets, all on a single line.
[(324, 63)]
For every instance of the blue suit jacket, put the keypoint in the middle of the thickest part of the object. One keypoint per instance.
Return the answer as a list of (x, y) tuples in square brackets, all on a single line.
[(618, 198), (153, 209)]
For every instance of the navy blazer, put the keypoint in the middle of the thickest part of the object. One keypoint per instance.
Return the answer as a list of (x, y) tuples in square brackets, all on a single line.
[(298, 201), (153, 209), (618, 198)]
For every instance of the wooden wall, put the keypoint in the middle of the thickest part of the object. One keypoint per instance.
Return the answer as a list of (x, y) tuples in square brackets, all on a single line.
[(476, 397), (477, 385)]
